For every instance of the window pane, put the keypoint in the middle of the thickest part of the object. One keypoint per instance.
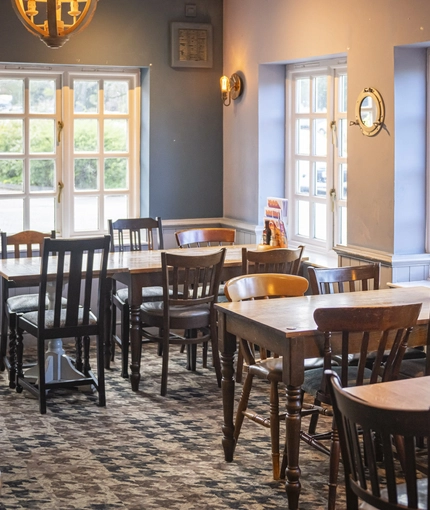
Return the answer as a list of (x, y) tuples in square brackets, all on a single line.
[(321, 94), (342, 138), (116, 173), (42, 214), (116, 96), (343, 84), (303, 218), (342, 222), (42, 96), (303, 137), (86, 173), (302, 177), (11, 177), (302, 95), (320, 222), (86, 96), (116, 135), (11, 214), (116, 206), (11, 136), (86, 135), (11, 96), (86, 213), (42, 175), (321, 179), (343, 181), (42, 136), (320, 129)]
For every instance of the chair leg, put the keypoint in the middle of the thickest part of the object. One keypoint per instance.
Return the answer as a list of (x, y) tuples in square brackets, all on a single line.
[(274, 428), (113, 329), (334, 467), (165, 363), (41, 380), (12, 351), (314, 419), (19, 356), (205, 355), (192, 357), (125, 340), (101, 372), (3, 341), (243, 405)]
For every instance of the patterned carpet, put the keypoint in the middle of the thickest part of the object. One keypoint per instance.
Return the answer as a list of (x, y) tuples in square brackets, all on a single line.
[(142, 451)]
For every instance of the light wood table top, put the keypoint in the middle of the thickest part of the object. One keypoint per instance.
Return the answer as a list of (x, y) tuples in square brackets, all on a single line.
[(407, 394)]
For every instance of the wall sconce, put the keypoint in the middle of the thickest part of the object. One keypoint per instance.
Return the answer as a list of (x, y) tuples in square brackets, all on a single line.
[(54, 24), (231, 88)]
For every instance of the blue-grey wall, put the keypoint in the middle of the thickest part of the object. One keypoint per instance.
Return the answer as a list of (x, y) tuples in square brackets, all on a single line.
[(182, 152)]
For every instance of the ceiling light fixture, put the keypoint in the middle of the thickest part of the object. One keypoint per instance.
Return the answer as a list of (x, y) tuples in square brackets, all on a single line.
[(52, 21)]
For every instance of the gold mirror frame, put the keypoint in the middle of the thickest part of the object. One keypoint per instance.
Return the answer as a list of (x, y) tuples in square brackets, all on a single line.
[(370, 117)]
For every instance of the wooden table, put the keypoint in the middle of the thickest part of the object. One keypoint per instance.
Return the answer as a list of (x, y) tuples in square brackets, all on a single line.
[(286, 326), (414, 394), (136, 270)]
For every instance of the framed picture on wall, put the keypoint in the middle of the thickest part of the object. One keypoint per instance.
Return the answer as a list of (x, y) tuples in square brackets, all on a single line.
[(192, 44)]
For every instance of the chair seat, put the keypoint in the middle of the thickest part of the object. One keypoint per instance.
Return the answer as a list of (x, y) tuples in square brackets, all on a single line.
[(26, 303), (147, 293), (313, 378), (401, 495), (412, 368), (180, 316), (271, 368), (49, 318)]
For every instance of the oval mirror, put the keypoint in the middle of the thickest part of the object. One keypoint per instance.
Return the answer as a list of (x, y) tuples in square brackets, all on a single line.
[(370, 111)]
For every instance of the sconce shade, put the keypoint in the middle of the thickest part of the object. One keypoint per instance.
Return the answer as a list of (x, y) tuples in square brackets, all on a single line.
[(54, 20), (231, 88)]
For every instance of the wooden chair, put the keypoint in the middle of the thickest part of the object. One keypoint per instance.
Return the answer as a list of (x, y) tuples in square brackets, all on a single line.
[(357, 330), (134, 234), (28, 243), (263, 286), (344, 279), (277, 260), (76, 263), (205, 237), (190, 290), (380, 483)]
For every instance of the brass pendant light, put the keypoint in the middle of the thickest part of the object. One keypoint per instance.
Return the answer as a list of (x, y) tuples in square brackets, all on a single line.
[(52, 21)]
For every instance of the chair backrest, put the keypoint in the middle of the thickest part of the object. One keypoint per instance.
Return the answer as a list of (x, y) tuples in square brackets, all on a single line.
[(190, 280), (28, 243), (363, 330), (139, 232), (363, 430), (76, 262), (265, 286), (343, 279), (278, 260), (205, 237)]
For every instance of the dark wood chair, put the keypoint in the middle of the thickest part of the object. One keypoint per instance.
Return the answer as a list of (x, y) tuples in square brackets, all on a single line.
[(277, 260), (356, 330), (190, 290), (381, 481), (344, 279), (76, 262), (196, 237), (134, 234), (263, 286), (28, 243)]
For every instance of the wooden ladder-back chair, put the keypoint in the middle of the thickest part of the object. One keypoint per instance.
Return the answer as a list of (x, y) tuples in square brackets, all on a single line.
[(196, 237), (263, 286), (381, 482), (190, 290), (28, 243), (276, 260), (133, 234), (75, 262), (358, 330), (344, 279)]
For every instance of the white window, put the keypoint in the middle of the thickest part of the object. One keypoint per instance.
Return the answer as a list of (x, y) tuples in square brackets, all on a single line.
[(316, 173), (69, 149)]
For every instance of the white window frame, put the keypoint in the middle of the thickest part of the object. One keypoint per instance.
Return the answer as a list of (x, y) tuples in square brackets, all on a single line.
[(332, 68), (64, 170)]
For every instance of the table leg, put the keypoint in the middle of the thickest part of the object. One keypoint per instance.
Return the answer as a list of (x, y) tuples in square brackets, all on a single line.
[(135, 346), (108, 323), (227, 346), (293, 425)]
